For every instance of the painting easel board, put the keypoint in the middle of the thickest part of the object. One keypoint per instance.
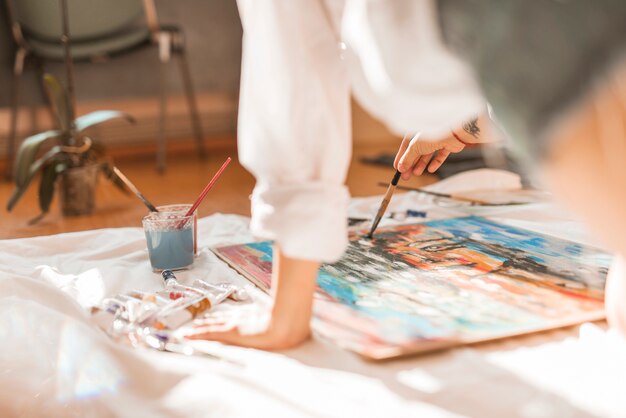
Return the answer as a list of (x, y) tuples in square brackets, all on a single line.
[(419, 287)]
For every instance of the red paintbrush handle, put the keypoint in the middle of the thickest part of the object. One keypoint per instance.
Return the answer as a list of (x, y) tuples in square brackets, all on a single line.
[(208, 187)]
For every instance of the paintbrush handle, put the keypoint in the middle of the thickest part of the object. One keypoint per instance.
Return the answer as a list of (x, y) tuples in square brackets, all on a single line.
[(385, 202), (472, 200), (135, 190), (396, 178), (208, 187), (383, 207), (417, 189)]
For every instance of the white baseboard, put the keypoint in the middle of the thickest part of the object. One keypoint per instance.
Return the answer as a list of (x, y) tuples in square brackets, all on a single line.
[(218, 115)]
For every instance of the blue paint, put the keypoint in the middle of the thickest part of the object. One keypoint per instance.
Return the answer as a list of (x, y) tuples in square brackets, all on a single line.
[(340, 291), (416, 213), (264, 247), (170, 249), (544, 249)]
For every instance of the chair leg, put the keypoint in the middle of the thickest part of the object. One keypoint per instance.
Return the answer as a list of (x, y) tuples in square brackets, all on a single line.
[(41, 71), (164, 40), (191, 102), (34, 122), (161, 145), (18, 69)]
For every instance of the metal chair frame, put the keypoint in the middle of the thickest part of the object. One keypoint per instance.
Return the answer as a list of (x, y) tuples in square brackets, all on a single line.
[(170, 42)]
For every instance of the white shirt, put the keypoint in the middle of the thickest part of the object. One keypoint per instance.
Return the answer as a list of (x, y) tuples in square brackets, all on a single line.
[(301, 61)]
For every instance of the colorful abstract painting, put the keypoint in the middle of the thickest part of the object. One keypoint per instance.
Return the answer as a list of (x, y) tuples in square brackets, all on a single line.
[(441, 283)]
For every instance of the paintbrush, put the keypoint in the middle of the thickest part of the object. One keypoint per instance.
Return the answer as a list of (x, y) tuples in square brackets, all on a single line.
[(471, 200), (205, 191), (135, 190), (385, 202), (208, 187)]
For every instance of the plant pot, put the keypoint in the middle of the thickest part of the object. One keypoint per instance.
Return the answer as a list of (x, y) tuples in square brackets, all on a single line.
[(78, 190)]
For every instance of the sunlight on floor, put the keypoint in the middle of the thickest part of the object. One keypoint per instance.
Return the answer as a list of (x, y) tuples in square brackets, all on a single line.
[(84, 369), (420, 380), (588, 371)]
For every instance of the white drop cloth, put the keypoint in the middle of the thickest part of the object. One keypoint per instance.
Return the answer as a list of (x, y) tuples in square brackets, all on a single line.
[(55, 363)]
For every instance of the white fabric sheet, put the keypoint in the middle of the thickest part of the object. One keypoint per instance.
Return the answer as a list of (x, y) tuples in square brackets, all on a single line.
[(56, 363)]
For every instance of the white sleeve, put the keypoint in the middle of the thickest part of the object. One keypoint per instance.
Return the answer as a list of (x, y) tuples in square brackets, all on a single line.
[(294, 126), (402, 72)]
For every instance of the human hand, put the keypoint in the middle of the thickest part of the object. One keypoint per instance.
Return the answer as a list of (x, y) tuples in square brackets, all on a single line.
[(294, 282), (416, 153), (277, 336)]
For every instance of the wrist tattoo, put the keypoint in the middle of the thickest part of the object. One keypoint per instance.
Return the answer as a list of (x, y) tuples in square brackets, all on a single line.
[(472, 128)]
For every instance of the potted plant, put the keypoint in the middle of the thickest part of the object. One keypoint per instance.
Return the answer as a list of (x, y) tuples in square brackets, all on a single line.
[(73, 158)]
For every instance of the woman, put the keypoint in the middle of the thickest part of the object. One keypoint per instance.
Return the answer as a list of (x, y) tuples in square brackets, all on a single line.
[(551, 70)]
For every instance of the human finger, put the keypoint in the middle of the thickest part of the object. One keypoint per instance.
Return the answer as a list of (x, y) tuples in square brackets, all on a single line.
[(410, 155), (421, 164), (267, 340), (403, 146), (438, 160)]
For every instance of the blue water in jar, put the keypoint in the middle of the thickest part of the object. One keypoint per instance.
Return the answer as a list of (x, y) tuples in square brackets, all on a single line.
[(170, 249)]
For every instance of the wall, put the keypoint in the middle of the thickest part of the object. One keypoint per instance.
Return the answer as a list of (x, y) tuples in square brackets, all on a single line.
[(213, 34), (130, 82)]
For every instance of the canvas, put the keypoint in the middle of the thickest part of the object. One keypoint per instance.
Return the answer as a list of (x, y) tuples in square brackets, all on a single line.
[(419, 287)]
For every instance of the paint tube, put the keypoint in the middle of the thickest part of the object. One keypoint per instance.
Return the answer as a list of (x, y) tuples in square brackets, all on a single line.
[(112, 305), (175, 290), (185, 309), (134, 307), (149, 297), (110, 310), (124, 298), (182, 311), (238, 294), (163, 341), (169, 278), (222, 290), (179, 292), (121, 306), (149, 305), (138, 307), (166, 309), (105, 314)]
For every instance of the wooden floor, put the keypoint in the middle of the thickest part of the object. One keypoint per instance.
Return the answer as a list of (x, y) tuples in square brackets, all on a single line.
[(185, 177)]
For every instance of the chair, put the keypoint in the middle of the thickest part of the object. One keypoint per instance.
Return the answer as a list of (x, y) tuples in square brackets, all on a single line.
[(98, 29)]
